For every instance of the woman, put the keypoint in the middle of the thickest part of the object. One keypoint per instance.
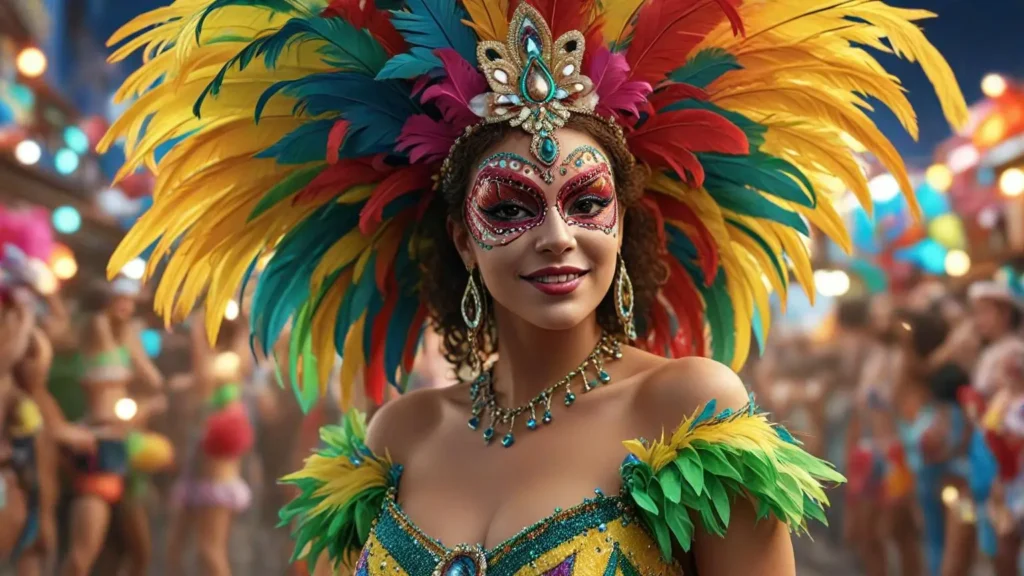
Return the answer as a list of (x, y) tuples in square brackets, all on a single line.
[(112, 357), (491, 188), (211, 490)]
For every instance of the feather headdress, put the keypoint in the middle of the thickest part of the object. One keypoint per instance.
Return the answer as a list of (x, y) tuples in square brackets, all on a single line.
[(315, 131)]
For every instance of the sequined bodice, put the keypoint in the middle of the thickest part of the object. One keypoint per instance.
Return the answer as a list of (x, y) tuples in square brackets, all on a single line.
[(598, 536)]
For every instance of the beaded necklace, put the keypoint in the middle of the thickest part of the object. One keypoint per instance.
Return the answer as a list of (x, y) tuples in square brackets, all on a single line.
[(485, 402)]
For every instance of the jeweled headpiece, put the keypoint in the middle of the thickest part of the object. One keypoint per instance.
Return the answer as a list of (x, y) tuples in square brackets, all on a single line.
[(316, 134), (536, 83)]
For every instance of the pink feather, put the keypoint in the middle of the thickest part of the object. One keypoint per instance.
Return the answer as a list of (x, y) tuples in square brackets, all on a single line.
[(28, 229), (425, 139), (452, 93), (609, 72)]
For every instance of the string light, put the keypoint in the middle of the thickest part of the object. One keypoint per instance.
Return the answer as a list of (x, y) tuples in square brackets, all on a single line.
[(31, 62)]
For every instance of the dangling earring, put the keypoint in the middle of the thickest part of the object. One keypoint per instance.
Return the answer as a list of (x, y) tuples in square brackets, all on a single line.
[(472, 315), (624, 301)]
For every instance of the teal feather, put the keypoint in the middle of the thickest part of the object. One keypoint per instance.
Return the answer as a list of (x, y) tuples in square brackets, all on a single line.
[(743, 200), (362, 291), (307, 143), (400, 325), (413, 64), (720, 317), (375, 110), (286, 188), (705, 414), (347, 47), (705, 67), (763, 172), (436, 24), (280, 6), (757, 325)]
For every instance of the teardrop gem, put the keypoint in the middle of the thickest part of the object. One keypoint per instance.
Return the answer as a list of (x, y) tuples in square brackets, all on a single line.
[(538, 85), (548, 151), (604, 376), (474, 423), (462, 565), (488, 435)]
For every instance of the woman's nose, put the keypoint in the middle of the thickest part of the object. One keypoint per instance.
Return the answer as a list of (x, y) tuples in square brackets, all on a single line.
[(555, 235)]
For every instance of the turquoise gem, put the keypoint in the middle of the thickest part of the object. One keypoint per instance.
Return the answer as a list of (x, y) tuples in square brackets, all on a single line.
[(508, 440), (547, 417), (604, 377), (488, 434), (548, 150), (461, 565), (531, 423), (474, 423), (570, 398), (602, 527), (593, 384)]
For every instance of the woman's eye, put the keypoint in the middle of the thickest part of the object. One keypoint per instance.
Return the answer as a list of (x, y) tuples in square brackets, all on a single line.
[(509, 212), (589, 206)]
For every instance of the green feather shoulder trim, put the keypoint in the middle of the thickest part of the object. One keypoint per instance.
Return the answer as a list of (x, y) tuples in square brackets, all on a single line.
[(343, 487), (713, 457)]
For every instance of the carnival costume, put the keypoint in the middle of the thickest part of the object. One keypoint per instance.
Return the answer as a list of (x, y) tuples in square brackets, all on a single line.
[(316, 135)]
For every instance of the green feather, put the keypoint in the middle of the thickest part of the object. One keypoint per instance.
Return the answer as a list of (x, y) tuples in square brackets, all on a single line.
[(285, 188)]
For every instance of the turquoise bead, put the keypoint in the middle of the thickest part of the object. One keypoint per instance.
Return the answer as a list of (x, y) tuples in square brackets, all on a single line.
[(548, 150), (547, 417), (531, 423), (569, 399), (508, 440)]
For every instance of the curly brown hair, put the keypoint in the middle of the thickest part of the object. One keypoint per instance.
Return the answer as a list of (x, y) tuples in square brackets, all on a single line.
[(444, 268)]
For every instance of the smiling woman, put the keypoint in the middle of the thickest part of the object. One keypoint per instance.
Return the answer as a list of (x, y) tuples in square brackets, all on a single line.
[(575, 195)]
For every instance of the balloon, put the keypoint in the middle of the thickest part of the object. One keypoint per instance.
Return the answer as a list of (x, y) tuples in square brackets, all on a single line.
[(94, 128), (152, 342), (948, 231)]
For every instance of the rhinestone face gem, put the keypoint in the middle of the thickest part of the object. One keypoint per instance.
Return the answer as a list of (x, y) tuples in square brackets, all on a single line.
[(548, 150)]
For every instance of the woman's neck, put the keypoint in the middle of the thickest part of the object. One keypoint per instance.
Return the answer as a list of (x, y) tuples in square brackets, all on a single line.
[(531, 359)]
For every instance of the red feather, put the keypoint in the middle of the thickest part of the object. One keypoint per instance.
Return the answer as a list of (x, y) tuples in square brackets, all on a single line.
[(376, 379), (412, 340), (687, 306), (670, 139), (667, 31), (335, 138), (397, 184), (565, 15), (659, 221), (364, 14), (338, 178), (707, 251), (672, 93), (386, 252)]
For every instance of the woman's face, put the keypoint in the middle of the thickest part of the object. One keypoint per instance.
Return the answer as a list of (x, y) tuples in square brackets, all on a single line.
[(545, 240), (122, 308), (989, 317)]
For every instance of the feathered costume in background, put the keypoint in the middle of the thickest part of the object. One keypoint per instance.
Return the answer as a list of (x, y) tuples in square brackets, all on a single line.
[(312, 132)]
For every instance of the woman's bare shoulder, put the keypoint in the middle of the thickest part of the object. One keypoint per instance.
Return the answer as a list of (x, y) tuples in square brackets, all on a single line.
[(403, 423), (674, 389)]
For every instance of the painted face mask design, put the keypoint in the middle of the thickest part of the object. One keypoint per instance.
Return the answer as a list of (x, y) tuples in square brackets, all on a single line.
[(502, 206), (588, 200)]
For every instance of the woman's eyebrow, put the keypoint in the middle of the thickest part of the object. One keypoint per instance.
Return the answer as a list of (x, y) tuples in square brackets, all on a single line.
[(581, 156), (585, 177)]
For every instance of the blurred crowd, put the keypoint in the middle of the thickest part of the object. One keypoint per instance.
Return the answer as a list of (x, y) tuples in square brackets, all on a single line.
[(919, 400)]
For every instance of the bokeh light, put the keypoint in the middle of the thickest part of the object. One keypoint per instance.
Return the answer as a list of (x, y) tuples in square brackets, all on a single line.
[(66, 161), (76, 140), (135, 269), (993, 85), (125, 409), (958, 263), (884, 188), (67, 220), (939, 177), (28, 152), (1011, 182), (31, 62), (231, 312), (63, 262), (152, 342)]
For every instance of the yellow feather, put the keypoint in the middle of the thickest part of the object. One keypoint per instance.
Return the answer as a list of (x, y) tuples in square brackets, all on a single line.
[(345, 251), (618, 18), (323, 328), (488, 17), (350, 369)]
